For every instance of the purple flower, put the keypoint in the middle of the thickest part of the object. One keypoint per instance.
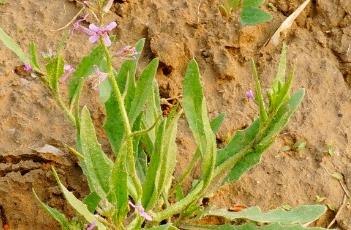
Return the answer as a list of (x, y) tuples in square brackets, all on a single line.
[(91, 226), (138, 208), (95, 32), (68, 70), (249, 94), (98, 78), (27, 67), (128, 52)]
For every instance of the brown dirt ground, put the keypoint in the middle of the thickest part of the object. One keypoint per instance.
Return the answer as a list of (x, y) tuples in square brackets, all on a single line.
[(319, 46)]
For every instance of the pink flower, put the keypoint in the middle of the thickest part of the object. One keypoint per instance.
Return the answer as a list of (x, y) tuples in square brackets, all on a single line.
[(27, 67), (95, 32), (128, 52), (68, 70), (91, 226), (138, 208), (249, 94)]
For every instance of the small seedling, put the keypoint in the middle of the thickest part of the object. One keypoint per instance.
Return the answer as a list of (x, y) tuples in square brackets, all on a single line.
[(250, 12)]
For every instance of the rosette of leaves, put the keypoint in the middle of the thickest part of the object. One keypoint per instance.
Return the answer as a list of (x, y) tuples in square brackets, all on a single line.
[(250, 11), (135, 188)]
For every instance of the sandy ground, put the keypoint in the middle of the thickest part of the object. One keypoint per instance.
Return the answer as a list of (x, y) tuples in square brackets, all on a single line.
[(319, 46)]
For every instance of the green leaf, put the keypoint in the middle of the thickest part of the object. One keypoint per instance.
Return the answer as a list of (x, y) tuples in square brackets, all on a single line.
[(143, 89), (126, 84), (92, 201), (239, 141), (280, 76), (150, 193), (83, 70), (13, 46), (259, 96), (299, 215), (78, 205), (57, 215), (251, 159), (195, 110), (217, 122), (55, 70), (274, 128), (98, 165), (163, 160), (252, 226), (283, 116), (119, 186), (113, 125), (252, 3), (105, 90), (253, 16), (34, 56)]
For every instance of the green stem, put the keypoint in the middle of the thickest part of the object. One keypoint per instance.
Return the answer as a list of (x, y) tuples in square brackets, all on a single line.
[(64, 108), (120, 102)]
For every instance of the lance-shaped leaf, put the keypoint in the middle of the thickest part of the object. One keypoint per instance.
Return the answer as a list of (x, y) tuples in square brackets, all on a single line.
[(144, 88), (83, 70), (152, 175), (55, 70), (119, 186), (252, 226), (126, 83), (283, 116), (195, 110), (13, 46), (259, 96), (34, 55), (78, 205), (300, 215), (54, 213), (162, 164), (92, 200), (275, 127), (98, 165)]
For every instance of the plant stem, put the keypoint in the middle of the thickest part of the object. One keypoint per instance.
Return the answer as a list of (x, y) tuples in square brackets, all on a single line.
[(65, 109), (128, 130)]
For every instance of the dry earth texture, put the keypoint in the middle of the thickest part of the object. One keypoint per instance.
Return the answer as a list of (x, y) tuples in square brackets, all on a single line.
[(319, 46)]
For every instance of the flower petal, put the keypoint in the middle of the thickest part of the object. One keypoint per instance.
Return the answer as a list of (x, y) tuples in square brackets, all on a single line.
[(111, 26), (107, 40), (94, 28), (94, 38)]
